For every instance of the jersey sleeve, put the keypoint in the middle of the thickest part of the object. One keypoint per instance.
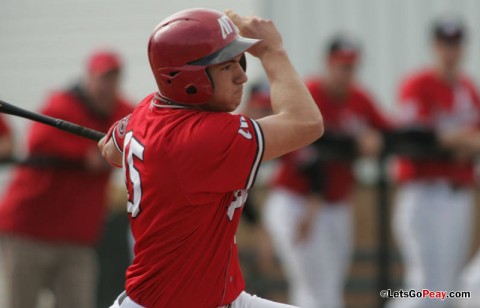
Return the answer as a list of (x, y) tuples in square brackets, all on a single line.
[(475, 99), (47, 140), (376, 118), (224, 154), (411, 104), (117, 133)]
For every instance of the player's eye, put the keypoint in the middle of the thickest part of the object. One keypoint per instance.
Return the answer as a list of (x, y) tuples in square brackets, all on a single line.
[(226, 67)]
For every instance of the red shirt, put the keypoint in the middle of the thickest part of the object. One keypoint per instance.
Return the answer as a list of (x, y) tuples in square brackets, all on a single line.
[(425, 99), (187, 174), (4, 128), (350, 116), (59, 204)]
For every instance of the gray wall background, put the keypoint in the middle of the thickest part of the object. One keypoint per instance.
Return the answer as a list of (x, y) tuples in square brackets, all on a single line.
[(394, 35), (43, 44)]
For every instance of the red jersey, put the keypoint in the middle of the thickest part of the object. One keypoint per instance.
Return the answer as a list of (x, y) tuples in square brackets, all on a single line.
[(4, 128), (350, 116), (426, 99), (187, 174), (60, 204)]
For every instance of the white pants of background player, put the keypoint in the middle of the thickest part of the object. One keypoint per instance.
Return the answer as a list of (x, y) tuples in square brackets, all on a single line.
[(316, 268), (470, 281), (244, 300), (432, 224)]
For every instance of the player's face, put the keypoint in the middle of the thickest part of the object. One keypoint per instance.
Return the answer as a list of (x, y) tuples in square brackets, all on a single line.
[(103, 89), (341, 74), (228, 79), (449, 54)]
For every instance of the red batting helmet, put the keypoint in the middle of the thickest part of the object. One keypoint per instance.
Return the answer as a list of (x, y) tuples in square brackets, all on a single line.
[(184, 44)]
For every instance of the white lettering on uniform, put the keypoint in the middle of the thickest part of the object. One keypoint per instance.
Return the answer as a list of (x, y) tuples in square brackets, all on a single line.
[(136, 149), (243, 130), (240, 198), (225, 26)]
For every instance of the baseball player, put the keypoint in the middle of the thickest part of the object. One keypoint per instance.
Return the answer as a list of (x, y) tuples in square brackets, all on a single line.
[(189, 163), (432, 221), (6, 140), (311, 223), (52, 213), (6, 144)]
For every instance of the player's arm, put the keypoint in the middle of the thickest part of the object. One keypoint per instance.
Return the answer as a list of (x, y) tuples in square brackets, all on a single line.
[(296, 121), (370, 141), (468, 138), (112, 144), (110, 152)]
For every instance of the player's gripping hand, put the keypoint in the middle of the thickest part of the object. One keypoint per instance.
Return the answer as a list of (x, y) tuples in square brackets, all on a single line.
[(110, 152), (258, 28)]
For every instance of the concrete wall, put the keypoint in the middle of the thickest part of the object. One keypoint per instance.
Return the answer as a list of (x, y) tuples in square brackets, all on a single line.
[(394, 34), (43, 44)]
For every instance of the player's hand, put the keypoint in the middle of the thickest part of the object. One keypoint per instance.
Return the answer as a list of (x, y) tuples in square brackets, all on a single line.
[(258, 28), (463, 143), (370, 143), (101, 144), (306, 224), (94, 161), (304, 229), (110, 152)]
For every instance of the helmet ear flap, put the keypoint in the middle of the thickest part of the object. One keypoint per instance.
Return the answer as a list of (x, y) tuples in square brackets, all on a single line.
[(243, 62), (189, 85)]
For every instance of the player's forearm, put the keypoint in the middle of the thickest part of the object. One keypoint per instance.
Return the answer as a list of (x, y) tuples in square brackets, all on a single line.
[(469, 140), (289, 95), (6, 146), (110, 152)]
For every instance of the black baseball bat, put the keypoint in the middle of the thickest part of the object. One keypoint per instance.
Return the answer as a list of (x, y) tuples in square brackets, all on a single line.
[(58, 123)]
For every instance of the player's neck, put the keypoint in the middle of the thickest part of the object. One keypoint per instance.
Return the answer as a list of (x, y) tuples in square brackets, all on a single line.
[(448, 74), (335, 90)]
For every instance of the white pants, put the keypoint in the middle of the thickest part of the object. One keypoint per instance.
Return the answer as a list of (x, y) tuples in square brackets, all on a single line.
[(316, 268), (244, 300), (432, 224), (470, 281)]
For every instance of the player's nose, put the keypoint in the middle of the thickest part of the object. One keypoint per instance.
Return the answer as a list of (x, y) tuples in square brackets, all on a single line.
[(241, 76)]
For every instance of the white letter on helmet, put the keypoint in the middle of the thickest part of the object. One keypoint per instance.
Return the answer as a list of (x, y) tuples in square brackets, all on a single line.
[(225, 26)]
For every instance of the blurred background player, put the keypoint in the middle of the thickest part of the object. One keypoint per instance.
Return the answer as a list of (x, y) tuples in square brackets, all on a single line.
[(257, 106), (432, 221), (258, 103), (6, 139), (52, 213), (309, 212)]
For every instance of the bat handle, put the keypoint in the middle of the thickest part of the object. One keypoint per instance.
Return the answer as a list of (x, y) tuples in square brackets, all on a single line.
[(80, 130)]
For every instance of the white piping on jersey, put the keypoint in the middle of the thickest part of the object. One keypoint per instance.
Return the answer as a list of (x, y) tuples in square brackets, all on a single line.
[(169, 104), (260, 141), (115, 140)]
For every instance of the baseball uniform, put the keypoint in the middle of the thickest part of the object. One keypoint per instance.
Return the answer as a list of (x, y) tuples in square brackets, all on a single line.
[(51, 215), (187, 173), (4, 128), (433, 216), (317, 268)]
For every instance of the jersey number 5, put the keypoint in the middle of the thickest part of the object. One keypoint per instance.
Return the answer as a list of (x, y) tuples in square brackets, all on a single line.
[(132, 148)]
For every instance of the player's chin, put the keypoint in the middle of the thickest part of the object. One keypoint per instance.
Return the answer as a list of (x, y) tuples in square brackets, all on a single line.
[(236, 102), (233, 107)]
